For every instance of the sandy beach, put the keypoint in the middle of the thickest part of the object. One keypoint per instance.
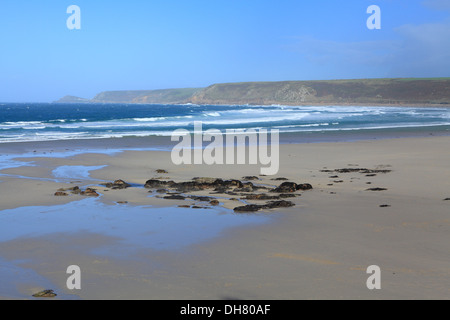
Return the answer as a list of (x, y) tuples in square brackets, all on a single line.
[(133, 244)]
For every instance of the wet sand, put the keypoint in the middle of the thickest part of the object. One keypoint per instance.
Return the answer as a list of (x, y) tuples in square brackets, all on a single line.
[(319, 249)]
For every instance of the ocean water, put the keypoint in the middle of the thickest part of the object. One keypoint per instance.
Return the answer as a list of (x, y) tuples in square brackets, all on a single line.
[(44, 122)]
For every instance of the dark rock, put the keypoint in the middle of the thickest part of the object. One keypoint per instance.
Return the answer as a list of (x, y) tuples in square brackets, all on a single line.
[(279, 204), (161, 171), (122, 202), (250, 178), (203, 180), (280, 179), (249, 208), (288, 195), (45, 294), (197, 184), (158, 184), (384, 206), (289, 187), (447, 199), (260, 188), (61, 194), (286, 187), (376, 189), (246, 189), (269, 205), (358, 170), (90, 193), (175, 197), (201, 198), (184, 206), (350, 170), (190, 186), (260, 197), (234, 183), (118, 184), (76, 190), (214, 202), (304, 186), (221, 190)]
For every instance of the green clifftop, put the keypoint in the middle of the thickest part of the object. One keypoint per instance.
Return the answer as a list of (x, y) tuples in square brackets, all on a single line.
[(164, 96), (338, 92), (433, 91)]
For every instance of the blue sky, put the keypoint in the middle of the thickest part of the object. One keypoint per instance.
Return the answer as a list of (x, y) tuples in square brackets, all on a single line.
[(155, 44)]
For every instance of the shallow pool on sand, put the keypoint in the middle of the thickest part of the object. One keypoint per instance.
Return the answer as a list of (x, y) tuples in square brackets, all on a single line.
[(167, 228), (133, 228)]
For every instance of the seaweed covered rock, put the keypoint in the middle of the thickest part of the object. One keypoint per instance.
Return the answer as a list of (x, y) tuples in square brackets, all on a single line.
[(289, 187), (45, 294), (118, 184)]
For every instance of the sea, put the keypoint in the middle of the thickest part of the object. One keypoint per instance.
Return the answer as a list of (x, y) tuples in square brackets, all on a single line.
[(25, 122)]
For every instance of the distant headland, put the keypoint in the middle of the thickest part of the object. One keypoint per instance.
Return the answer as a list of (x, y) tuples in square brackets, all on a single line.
[(398, 91)]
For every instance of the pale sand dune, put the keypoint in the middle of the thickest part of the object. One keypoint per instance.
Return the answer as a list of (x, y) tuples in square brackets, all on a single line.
[(319, 249)]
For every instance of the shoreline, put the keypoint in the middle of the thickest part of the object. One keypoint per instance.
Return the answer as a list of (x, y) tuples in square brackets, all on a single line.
[(161, 143), (369, 104)]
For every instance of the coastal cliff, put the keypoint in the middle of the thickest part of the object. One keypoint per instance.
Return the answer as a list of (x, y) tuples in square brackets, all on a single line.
[(433, 91)]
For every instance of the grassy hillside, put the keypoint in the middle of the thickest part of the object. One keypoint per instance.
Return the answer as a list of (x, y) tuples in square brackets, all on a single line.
[(408, 91), (366, 91), (146, 96)]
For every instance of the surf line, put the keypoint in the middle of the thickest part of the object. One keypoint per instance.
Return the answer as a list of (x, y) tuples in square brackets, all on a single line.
[(235, 146)]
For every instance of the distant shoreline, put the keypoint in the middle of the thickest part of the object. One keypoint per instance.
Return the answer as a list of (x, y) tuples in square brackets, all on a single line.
[(164, 143), (410, 105), (381, 92)]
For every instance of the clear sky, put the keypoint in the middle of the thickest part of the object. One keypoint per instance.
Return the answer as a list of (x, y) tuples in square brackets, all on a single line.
[(156, 44)]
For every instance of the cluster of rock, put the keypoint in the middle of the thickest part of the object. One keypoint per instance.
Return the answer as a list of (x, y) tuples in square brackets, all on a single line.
[(45, 294), (376, 189), (221, 186), (368, 172), (200, 184), (117, 185), (230, 187), (89, 192), (241, 190), (268, 205)]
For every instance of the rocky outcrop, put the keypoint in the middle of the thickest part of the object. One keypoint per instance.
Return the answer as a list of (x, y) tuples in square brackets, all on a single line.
[(89, 192), (118, 184), (221, 186), (45, 294), (231, 187), (268, 205), (287, 187)]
